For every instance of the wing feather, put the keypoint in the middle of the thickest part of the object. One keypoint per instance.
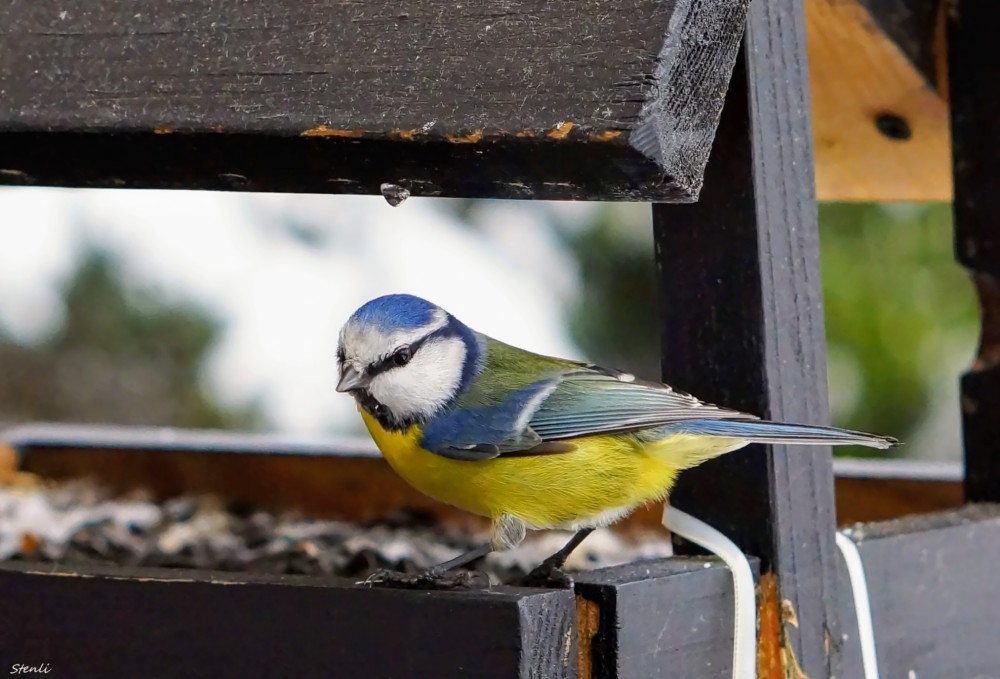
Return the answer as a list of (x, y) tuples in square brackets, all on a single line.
[(594, 402), (577, 402)]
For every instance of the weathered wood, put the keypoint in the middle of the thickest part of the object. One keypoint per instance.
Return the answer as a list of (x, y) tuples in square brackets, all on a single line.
[(670, 618), (860, 79), (169, 623), (934, 592), (743, 326), (974, 71), (608, 99)]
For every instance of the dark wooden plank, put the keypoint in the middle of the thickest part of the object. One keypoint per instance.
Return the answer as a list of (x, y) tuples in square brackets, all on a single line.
[(192, 624), (661, 619), (741, 307), (934, 592), (974, 71), (610, 99)]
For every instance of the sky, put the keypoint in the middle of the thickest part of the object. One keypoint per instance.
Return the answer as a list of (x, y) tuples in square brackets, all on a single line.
[(282, 299)]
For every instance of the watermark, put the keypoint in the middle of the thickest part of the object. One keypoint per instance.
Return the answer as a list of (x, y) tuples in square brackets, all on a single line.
[(20, 668)]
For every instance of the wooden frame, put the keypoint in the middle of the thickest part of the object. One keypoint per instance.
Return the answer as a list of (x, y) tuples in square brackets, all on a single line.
[(740, 300), (615, 99), (168, 622)]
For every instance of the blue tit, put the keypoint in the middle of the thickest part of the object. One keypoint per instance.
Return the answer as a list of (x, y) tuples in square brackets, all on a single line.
[(530, 441)]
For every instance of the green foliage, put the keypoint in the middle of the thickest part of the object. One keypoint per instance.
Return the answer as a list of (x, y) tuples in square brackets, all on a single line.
[(615, 321), (900, 313), (121, 355)]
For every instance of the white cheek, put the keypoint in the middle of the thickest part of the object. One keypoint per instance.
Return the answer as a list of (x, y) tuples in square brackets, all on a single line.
[(426, 383)]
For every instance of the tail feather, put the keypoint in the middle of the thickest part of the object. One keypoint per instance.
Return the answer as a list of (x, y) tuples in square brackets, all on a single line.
[(761, 431)]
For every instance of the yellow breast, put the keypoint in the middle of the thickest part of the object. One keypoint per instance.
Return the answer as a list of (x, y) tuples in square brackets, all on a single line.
[(605, 474)]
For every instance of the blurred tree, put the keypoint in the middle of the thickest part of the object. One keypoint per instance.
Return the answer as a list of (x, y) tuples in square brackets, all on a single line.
[(121, 355), (901, 315), (615, 320)]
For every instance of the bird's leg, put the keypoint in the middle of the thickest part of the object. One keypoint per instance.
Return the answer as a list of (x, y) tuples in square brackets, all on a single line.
[(461, 560), (549, 572)]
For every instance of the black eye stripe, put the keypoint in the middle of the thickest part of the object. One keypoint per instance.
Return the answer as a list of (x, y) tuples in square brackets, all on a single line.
[(383, 364), (388, 363)]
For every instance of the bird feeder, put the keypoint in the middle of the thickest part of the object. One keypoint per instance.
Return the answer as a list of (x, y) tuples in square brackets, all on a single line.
[(701, 108)]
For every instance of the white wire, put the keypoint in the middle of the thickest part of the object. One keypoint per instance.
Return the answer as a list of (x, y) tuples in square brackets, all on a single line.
[(744, 594), (862, 604)]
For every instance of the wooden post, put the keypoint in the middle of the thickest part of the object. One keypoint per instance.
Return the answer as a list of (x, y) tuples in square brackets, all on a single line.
[(933, 587), (648, 619), (974, 71), (742, 322)]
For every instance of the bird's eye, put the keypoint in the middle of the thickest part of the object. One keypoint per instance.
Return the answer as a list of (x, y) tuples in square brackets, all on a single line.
[(341, 357), (402, 357)]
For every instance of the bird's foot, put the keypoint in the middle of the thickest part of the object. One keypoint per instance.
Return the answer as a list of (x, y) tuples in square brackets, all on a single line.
[(429, 579), (546, 575)]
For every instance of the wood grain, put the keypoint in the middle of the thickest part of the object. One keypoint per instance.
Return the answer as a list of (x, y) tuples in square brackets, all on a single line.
[(662, 619), (934, 591), (167, 623), (529, 99), (858, 73)]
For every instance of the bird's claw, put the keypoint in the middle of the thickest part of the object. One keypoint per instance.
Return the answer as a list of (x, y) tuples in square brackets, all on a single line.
[(429, 579), (547, 576)]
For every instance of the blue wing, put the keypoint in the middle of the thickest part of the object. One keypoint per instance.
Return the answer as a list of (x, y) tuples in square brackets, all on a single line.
[(538, 419), (589, 402), (562, 406), (484, 432)]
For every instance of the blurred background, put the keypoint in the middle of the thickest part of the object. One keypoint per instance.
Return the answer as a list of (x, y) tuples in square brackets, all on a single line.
[(213, 310)]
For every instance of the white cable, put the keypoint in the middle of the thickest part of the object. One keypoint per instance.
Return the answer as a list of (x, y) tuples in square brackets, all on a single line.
[(744, 594), (862, 604)]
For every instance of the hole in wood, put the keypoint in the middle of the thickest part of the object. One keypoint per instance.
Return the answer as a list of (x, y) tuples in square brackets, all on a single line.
[(893, 126)]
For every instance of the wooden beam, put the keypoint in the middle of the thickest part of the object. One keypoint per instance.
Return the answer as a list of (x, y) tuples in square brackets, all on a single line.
[(171, 623), (609, 100), (934, 591), (669, 619), (870, 490), (880, 127), (974, 71), (743, 327)]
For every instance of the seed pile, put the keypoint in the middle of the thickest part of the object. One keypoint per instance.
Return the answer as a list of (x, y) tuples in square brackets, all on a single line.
[(75, 523)]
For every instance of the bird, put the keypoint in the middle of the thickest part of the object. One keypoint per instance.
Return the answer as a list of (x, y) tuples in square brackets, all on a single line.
[(532, 442)]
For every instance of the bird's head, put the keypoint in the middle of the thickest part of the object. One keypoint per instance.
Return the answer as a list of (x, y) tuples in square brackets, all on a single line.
[(404, 359)]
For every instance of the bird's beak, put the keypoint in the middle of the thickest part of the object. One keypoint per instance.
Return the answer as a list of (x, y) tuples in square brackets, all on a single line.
[(351, 379)]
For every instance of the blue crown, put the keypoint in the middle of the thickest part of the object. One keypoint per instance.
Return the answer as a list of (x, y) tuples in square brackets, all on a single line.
[(391, 312)]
